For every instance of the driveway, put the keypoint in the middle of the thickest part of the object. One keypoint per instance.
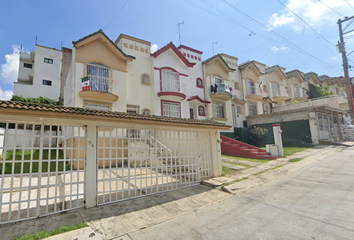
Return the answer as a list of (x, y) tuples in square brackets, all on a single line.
[(316, 202)]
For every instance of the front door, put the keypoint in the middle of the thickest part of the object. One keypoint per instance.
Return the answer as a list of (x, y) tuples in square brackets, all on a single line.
[(323, 126), (191, 113)]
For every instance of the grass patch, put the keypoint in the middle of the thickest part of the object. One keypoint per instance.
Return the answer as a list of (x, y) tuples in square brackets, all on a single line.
[(276, 167), (248, 159), (295, 159), (226, 170), (261, 172), (25, 167), (288, 151), (45, 234)]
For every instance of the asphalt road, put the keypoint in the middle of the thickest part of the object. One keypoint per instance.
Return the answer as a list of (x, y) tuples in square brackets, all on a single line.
[(316, 202)]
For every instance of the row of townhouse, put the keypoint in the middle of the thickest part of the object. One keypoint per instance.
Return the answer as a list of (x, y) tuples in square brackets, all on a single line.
[(124, 76)]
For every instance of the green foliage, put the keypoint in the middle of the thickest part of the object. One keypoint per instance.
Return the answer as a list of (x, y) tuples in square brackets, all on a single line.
[(42, 100), (258, 135), (226, 170), (41, 235), (295, 159), (317, 91)]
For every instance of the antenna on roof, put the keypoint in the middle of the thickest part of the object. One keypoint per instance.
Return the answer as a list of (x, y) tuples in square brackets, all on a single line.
[(36, 39), (213, 43), (21, 48), (61, 44), (179, 31)]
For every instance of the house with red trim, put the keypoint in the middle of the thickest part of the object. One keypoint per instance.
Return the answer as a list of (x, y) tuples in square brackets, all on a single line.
[(178, 82)]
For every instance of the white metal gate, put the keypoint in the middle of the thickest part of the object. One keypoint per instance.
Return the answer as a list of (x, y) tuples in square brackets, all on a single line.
[(41, 169), (323, 126), (133, 165)]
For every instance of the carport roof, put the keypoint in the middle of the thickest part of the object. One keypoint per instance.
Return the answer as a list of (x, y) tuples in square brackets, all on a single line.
[(57, 111)]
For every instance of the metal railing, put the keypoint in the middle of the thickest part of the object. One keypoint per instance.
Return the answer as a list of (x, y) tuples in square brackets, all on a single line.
[(221, 88), (96, 83), (171, 85)]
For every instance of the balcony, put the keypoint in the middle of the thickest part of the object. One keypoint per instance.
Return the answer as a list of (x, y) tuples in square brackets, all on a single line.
[(300, 94), (171, 90), (220, 92), (253, 93), (280, 94), (97, 88)]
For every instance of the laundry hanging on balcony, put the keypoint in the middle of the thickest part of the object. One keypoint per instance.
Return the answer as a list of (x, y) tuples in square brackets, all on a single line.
[(85, 83)]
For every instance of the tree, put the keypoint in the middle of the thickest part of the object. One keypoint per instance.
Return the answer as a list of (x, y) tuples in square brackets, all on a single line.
[(317, 91)]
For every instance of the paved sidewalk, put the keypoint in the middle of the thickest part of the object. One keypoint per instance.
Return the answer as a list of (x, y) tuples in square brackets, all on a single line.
[(116, 221), (261, 173)]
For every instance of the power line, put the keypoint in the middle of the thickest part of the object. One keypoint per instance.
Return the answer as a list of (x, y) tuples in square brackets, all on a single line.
[(24, 35), (278, 35), (331, 8), (349, 4), (117, 13), (319, 34)]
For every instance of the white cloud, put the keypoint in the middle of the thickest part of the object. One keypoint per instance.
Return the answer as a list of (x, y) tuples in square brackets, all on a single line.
[(5, 95), (281, 48), (314, 12), (154, 48), (9, 70)]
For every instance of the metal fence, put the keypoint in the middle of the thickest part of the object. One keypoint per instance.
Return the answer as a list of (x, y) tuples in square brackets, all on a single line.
[(43, 172)]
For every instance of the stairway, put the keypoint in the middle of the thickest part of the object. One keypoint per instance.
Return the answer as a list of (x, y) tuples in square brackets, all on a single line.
[(236, 148)]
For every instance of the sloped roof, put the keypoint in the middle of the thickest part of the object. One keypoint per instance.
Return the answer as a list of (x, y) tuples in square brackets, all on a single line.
[(273, 68), (246, 64), (45, 108), (221, 58), (101, 32), (323, 78), (176, 51), (196, 97), (292, 73)]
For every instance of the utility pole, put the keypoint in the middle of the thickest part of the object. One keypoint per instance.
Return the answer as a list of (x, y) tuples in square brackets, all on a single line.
[(341, 48), (179, 32)]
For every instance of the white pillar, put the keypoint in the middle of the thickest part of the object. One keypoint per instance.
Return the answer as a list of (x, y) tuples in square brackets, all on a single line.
[(277, 138), (216, 154), (90, 167)]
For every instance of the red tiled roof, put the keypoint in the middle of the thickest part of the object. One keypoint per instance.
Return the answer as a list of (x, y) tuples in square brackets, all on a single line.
[(196, 97), (45, 108), (176, 51)]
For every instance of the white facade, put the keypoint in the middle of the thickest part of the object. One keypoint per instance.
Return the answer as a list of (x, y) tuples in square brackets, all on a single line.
[(39, 73)]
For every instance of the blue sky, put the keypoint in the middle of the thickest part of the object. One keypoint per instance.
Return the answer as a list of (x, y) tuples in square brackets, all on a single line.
[(267, 31)]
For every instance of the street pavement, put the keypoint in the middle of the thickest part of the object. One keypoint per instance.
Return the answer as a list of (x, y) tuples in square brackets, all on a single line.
[(316, 202)]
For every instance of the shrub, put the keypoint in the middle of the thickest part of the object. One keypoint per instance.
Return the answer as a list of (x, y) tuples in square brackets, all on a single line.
[(257, 135)]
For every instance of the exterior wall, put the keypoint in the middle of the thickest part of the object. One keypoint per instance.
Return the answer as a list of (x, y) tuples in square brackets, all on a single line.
[(138, 93), (41, 71), (229, 77), (23, 73), (69, 85), (65, 67), (187, 78)]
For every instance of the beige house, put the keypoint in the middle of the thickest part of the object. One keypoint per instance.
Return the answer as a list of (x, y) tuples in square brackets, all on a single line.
[(224, 89), (296, 85)]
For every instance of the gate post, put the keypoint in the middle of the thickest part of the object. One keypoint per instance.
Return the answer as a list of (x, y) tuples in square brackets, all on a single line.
[(215, 153), (90, 167)]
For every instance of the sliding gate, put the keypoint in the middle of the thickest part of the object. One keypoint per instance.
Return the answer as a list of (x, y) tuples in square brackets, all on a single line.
[(41, 169), (138, 162)]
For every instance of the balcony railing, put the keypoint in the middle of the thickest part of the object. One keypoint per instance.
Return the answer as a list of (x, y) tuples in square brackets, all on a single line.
[(221, 88), (171, 85), (251, 90), (96, 83)]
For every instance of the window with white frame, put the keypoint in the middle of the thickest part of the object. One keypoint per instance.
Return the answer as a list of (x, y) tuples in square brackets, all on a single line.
[(99, 77), (133, 108), (216, 80), (219, 110), (94, 106), (170, 81), (275, 89), (252, 108), (251, 90), (170, 109)]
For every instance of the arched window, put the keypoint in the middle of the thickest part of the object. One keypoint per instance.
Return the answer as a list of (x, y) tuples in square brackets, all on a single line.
[(146, 111), (201, 111), (199, 83)]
